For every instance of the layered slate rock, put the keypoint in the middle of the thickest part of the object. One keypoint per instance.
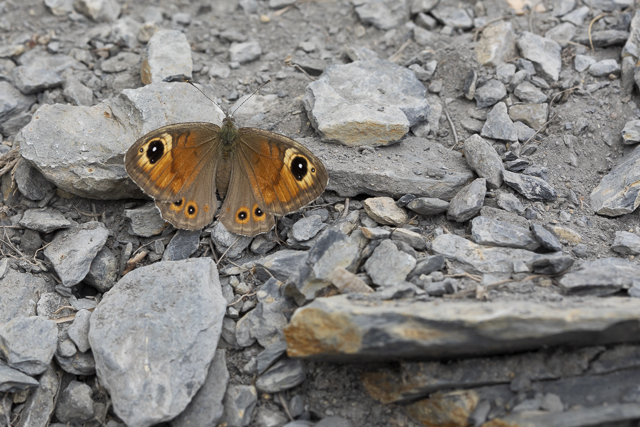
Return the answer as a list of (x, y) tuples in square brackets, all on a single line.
[(484, 160), (531, 187), (619, 190), (80, 149), (342, 329), (28, 343), (543, 52), (19, 294), (601, 277), (178, 302), (344, 105), (490, 232)]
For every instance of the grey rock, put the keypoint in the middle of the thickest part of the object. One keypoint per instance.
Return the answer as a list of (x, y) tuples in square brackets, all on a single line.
[(562, 7), (626, 243), (505, 72), (604, 38), (562, 33), (480, 413), (551, 402), (604, 68), (181, 18), (266, 321), (551, 265), (40, 404), (59, 7), (280, 264), (499, 125), (527, 92), (182, 245), (227, 242), (28, 343), (283, 375), (384, 210), (263, 243), (406, 329), (428, 206), (631, 132), (413, 239), (67, 348), (44, 220), (206, 407), (496, 46), (490, 232), (334, 421), (77, 93), (13, 381), (18, 296), (269, 356), (490, 93), (75, 404), (422, 6), (72, 251), (427, 266), (383, 14), (333, 249), (79, 330), (543, 52), (452, 16), (423, 37), (470, 83), (103, 270), (525, 133), (145, 220), (510, 203), (168, 54), (344, 105), (31, 183), (484, 160), (161, 290), (245, 52), (533, 115), (30, 80), (219, 70), (307, 228), (531, 187), (577, 16), (615, 194), (423, 174), (387, 265), (468, 202), (546, 239), (601, 277), (125, 32), (121, 62), (13, 102), (537, 171), (99, 11), (78, 364), (583, 62), (239, 403), (79, 149)]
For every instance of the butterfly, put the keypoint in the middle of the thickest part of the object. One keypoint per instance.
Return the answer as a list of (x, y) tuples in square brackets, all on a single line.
[(258, 173)]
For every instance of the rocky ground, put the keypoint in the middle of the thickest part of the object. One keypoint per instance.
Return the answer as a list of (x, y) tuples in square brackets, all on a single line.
[(472, 261)]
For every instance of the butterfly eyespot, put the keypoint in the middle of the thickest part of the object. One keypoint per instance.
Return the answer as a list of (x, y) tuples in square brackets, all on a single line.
[(313, 170), (155, 151), (206, 208), (242, 215), (191, 210), (142, 150), (299, 167), (179, 202), (258, 212)]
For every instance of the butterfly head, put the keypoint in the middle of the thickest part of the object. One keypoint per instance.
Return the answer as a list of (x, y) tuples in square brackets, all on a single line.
[(228, 131)]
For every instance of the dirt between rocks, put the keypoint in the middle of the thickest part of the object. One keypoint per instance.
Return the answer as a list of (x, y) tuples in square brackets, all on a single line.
[(579, 146)]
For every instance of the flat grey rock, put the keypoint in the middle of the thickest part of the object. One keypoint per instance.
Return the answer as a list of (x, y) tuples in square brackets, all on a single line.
[(452, 16), (13, 381), (81, 149), (384, 210), (44, 220), (103, 271), (533, 115), (388, 266), (468, 202), (631, 132), (543, 52), (413, 239), (576, 16), (583, 62), (496, 45), (484, 160), (626, 243), (145, 220), (40, 404), (79, 330), (17, 296), (265, 322), (562, 33), (148, 305), (510, 203), (122, 61), (206, 407), (75, 404), (604, 38), (529, 93), (227, 242), (31, 183), (490, 232), (102, 11), (28, 343), (333, 249), (604, 68), (12, 101), (245, 52), (385, 14), (616, 195), (239, 403), (546, 238), (182, 245), (499, 124), (280, 264), (345, 105), (377, 330), (72, 251), (431, 170), (168, 54), (285, 374), (531, 187), (490, 93), (428, 206), (601, 277), (77, 93), (427, 266), (307, 227), (31, 80), (78, 364)]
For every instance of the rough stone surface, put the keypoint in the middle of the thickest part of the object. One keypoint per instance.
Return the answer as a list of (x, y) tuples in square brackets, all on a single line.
[(496, 45), (626, 243), (168, 54), (145, 220), (543, 52), (44, 220), (384, 210), (617, 194), (19, 294), (486, 231), (484, 160), (388, 266), (28, 343), (531, 187), (428, 206), (239, 403), (601, 277), (468, 202), (40, 404), (75, 403), (179, 301)]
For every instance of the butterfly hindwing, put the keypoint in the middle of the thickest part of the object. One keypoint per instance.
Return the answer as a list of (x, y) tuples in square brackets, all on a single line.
[(171, 164)]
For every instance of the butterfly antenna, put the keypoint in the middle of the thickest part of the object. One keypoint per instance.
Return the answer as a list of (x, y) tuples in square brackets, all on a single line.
[(249, 97), (184, 79)]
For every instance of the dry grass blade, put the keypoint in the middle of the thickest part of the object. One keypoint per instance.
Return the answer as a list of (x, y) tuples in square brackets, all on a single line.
[(591, 26), (133, 262), (289, 63)]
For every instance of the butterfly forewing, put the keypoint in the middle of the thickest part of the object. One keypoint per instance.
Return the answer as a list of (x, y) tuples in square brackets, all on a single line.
[(284, 175), (171, 164)]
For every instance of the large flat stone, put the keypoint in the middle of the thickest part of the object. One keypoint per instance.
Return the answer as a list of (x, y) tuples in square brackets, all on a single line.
[(340, 329)]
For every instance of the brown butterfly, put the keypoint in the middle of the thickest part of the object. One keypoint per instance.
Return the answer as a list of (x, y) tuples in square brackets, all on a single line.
[(258, 173)]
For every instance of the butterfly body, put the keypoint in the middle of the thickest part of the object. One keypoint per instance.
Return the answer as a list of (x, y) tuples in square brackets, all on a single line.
[(258, 173)]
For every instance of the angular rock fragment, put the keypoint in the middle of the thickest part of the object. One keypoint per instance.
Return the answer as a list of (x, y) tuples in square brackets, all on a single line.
[(533, 115), (496, 45), (601, 277), (145, 220), (44, 220), (168, 55), (484, 160), (626, 243), (239, 403), (388, 266), (543, 52), (40, 404), (428, 206), (490, 93), (631, 132), (384, 210), (28, 343), (385, 14), (618, 191), (546, 239), (531, 187), (486, 231), (13, 381), (285, 374), (468, 202)]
